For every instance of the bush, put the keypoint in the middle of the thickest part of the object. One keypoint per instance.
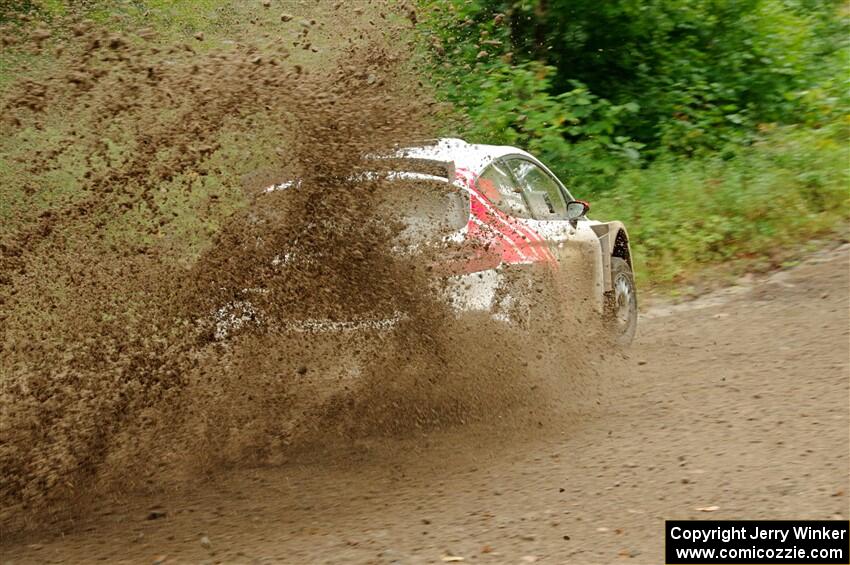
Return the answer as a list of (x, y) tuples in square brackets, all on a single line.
[(694, 75)]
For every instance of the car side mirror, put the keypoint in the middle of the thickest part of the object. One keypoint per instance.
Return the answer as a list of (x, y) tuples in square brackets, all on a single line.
[(577, 209)]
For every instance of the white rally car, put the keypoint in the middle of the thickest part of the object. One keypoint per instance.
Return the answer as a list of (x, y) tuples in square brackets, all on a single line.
[(515, 224)]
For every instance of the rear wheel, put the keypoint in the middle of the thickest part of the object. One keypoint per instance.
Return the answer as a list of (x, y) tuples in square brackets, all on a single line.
[(621, 303)]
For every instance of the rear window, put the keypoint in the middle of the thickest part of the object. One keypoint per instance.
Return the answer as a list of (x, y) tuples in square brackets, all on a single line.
[(421, 210)]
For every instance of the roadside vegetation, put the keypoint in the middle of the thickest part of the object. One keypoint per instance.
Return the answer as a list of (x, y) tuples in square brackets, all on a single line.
[(717, 130)]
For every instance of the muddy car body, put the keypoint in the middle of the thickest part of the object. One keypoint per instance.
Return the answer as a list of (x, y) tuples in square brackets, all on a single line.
[(513, 225)]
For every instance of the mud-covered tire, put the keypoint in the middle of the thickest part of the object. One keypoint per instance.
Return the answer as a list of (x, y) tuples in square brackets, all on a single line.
[(621, 308)]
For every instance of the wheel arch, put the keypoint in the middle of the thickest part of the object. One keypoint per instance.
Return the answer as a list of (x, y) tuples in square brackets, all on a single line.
[(621, 247), (613, 242)]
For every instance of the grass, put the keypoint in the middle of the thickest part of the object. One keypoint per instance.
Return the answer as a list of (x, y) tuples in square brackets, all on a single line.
[(239, 164), (753, 206)]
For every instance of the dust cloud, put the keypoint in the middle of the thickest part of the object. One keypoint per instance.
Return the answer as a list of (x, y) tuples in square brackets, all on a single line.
[(150, 304)]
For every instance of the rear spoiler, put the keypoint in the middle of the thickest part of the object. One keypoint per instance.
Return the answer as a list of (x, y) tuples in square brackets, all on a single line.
[(417, 160), (392, 164)]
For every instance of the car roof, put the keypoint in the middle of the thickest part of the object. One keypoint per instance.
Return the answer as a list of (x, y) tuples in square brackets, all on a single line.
[(463, 155), (453, 152)]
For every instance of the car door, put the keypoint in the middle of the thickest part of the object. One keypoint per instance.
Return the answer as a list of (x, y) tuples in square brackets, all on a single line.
[(547, 201), (502, 212), (573, 243)]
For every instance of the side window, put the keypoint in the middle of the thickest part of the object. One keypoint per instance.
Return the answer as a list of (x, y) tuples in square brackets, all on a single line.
[(497, 184), (544, 194)]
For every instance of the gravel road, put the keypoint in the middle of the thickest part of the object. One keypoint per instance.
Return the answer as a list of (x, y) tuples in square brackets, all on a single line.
[(731, 406)]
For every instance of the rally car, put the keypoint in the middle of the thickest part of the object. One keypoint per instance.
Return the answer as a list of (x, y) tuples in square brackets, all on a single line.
[(509, 223)]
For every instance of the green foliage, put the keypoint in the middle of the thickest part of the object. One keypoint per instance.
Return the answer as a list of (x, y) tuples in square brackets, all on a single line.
[(701, 73), (513, 105)]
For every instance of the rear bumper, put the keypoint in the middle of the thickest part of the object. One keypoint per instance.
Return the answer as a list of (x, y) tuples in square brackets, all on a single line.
[(475, 292)]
